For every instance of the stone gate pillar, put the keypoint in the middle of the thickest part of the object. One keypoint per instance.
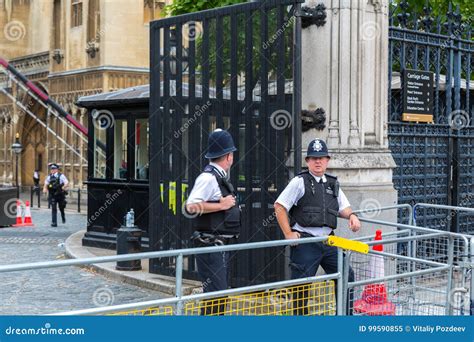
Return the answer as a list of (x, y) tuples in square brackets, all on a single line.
[(345, 72)]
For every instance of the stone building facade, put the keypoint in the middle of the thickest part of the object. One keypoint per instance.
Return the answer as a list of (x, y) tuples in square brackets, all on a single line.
[(68, 48)]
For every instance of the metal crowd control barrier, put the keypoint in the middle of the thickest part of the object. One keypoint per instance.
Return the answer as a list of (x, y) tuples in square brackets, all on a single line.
[(432, 277), (380, 209), (321, 285), (439, 206)]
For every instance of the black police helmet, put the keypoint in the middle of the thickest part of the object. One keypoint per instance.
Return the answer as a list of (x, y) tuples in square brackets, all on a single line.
[(220, 143), (317, 148)]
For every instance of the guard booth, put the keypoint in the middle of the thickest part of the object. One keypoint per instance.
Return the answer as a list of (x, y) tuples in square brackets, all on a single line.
[(118, 164)]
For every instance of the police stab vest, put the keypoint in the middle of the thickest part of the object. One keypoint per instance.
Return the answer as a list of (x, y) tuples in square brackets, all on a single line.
[(224, 222), (54, 186), (318, 207)]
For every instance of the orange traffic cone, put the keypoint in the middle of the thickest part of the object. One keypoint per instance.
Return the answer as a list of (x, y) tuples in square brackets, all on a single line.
[(19, 220), (28, 220), (374, 301)]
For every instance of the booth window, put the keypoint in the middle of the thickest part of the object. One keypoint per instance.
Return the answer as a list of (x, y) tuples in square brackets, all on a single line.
[(141, 149), (120, 150), (99, 151)]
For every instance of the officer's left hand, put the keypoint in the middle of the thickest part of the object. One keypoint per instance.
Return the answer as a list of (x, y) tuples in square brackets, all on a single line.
[(354, 223)]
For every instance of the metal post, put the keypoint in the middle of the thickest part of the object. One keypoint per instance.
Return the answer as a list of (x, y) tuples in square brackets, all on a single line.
[(297, 88), (16, 177), (449, 286), (345, 281), (78, 200), (31, 196), (179, 280), (471, 293), (341, 281)]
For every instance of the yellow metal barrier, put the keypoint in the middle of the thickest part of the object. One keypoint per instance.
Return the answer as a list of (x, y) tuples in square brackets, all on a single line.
[(356, 246), (307, 299), (160, 311)]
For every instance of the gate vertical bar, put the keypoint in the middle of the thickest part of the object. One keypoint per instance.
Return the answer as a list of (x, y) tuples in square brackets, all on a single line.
[(249, 157), (297, 68), (155, 212)]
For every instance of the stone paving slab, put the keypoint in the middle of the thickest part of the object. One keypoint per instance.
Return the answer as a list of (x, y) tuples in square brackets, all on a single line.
[(55, 290)]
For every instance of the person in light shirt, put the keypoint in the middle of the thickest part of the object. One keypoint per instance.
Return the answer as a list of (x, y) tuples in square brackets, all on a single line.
[(309, 207)]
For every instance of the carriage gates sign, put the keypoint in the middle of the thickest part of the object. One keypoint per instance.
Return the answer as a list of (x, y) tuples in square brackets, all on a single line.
[(417, 96)]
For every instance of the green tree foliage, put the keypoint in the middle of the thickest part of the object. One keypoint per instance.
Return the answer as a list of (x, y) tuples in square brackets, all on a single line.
[(189, 6), (440, 7), (259, 47)]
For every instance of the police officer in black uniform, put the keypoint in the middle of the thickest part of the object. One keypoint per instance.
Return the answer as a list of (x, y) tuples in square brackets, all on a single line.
[(308, 207), (213, 204), (56, 185)]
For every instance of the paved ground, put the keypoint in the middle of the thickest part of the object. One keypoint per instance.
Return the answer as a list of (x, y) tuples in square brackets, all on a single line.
[(59, 289)]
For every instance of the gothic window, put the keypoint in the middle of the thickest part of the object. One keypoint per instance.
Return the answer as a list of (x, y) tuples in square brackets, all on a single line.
[(76, 13), (93, 22)]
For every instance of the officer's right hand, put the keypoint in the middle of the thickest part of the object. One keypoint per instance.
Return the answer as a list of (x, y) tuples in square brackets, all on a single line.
[(292, 235), (227, 202)]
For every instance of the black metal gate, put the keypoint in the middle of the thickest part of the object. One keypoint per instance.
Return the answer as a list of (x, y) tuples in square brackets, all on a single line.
[(229, 68), (435, 161)]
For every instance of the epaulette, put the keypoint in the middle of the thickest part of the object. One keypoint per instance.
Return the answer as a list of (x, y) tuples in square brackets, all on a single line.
[(208, 168), (302, 173)]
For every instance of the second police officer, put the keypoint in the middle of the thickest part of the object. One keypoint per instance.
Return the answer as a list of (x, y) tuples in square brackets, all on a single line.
[(56, 185), (309, 207), (213, 204)]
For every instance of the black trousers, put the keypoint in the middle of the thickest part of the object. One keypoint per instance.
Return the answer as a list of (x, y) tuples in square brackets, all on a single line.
[(213, 270), (57, 201), (305, 261)]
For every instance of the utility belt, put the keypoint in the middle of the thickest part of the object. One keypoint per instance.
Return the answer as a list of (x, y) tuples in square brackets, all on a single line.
[(202, 239), (306, 235)]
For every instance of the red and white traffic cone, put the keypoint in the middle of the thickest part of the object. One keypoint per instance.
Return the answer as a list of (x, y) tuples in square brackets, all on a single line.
[(28, 220), (19, 219), (374, 301)]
